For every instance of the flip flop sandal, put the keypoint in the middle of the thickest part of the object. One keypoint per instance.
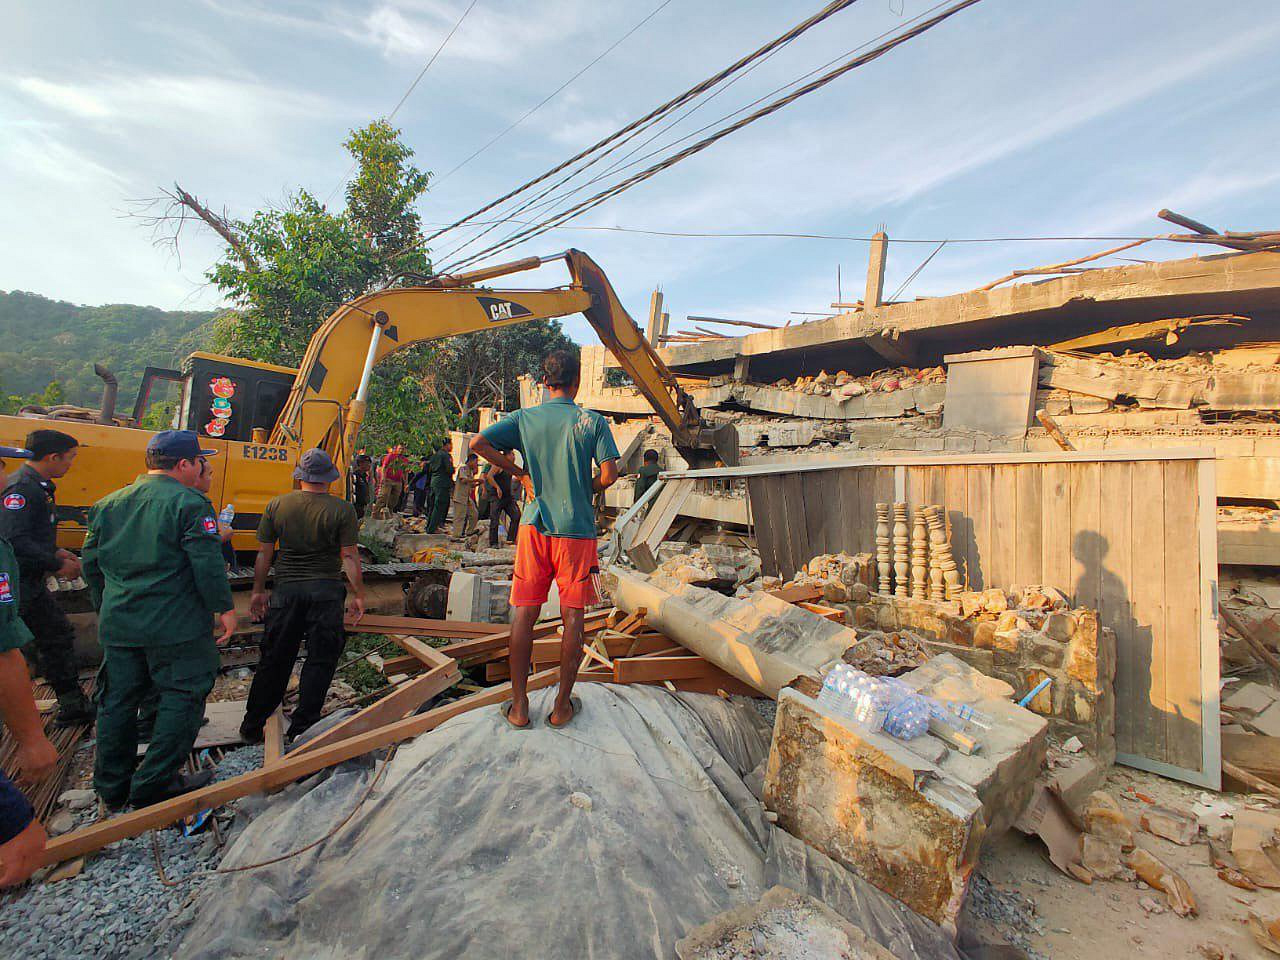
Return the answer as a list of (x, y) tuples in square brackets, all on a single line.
[(577, 709), (504, 708)]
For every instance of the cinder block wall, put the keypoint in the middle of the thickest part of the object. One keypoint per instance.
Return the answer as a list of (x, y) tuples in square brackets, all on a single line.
[(1023, 647)]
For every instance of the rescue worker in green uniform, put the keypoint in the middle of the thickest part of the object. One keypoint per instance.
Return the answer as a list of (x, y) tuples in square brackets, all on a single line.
[(441, 485), (153, 562), (29, 521)]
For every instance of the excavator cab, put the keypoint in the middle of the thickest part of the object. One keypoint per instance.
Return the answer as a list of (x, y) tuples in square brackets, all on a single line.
[(221, 397)]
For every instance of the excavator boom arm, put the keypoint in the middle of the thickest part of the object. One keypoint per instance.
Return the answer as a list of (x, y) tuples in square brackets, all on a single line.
[(323, 409)]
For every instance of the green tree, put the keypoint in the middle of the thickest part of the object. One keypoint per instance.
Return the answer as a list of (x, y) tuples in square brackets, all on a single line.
[(289, 268)]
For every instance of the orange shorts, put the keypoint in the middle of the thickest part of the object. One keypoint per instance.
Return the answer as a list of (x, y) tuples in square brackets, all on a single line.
[(572, 563)]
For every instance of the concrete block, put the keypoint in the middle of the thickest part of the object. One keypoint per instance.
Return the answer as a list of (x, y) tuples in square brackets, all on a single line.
[(907, 823), (1268, 721), (1252, 698)]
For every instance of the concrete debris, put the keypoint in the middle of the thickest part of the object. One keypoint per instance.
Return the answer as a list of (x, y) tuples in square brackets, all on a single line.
[(1102, 858), (1155, 873), (1104, 819), (909, 825), (881, 654), (781, 925), (1255, 845), (1266, 934), (1179, 826)]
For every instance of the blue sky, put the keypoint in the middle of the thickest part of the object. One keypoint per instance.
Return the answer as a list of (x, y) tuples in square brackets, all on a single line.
[(1011, 119)]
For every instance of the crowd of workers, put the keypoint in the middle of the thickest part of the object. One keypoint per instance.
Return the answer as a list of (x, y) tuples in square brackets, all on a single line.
[(153, 560)]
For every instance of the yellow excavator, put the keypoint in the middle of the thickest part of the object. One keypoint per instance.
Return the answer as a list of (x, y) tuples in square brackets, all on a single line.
[(261, 416)]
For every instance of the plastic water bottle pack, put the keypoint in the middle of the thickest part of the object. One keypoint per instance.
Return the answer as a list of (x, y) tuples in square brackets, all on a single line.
[(877, 703)]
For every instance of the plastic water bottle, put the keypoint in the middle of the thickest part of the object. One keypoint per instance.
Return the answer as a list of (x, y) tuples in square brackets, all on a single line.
[(227, 514)]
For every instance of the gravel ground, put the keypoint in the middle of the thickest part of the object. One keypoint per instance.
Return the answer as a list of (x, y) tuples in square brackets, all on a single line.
[(1014, 914), (118, 906)]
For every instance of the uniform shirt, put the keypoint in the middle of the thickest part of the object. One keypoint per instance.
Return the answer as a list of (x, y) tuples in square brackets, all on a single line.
[(462, 485), (29, 521), (153, 562), (559, 441), (13, 632), (648, 477), (312, 529), (442, 470)]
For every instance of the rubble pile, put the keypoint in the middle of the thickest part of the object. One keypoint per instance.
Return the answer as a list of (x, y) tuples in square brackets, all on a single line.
[(843, 577), (843, 384), (880, 654), (1022, 639)]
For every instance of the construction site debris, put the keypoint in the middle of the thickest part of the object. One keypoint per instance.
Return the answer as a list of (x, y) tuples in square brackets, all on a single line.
[(1179, 826), (1255, 844), (908, 824), (1154, 872), (781, 925)]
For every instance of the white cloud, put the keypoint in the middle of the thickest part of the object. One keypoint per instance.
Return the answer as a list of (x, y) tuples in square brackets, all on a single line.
[(78, 101)]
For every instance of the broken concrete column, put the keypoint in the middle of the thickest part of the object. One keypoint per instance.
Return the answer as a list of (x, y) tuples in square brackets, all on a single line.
[(905, 815), (763, 641)]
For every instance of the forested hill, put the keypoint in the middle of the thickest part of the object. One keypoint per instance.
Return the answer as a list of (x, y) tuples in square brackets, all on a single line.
[(43, 340)]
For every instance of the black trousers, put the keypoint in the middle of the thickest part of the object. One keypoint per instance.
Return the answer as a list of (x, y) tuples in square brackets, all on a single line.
[(310, 611), (492, 510), (420, 501), (52, 654)]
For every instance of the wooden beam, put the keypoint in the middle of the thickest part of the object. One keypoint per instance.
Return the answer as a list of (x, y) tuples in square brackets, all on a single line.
[(418, 626), (797, 593), (396, 705), (273, 738), (826, 613), (428, 655), (293, 766), (494, 646), (402, 664), (1053, 430), (657, 669)]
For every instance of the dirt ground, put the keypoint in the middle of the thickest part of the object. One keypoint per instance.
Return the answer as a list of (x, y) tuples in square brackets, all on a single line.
[(1108, 919)]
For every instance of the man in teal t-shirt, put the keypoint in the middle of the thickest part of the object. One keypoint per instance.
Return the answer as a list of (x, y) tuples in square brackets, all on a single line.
[(560, 443)]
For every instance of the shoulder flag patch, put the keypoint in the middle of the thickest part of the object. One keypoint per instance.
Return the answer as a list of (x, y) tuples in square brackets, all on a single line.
[(6, 591), (14, 501), (210, 525)]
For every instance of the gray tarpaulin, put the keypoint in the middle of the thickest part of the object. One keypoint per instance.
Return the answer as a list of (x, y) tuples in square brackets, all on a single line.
[(470, 845)]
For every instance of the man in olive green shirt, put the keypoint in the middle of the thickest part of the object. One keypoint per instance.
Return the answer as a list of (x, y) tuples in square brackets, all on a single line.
[(316, 532), (153, 562)]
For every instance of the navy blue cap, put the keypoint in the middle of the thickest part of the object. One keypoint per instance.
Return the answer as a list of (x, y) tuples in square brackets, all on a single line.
[(179, 444), (15, 453)]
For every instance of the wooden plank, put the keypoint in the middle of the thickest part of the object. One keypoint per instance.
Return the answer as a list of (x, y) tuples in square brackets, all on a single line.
[(1116, 526), (396, 705), (273, 738), (977, 519), (407, 663), (643, 548), (763, 516), (797, 527), (821, 500), (1086, 518), (428, 655), (1141, 702), (1002, 562), (1029, 529), (292, 767), (657, 669), (825, 612), (1183, 735), (494, 646), (1055, 511), (418, 627)]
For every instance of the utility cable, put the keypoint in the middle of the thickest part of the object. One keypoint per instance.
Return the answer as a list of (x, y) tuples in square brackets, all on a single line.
[(831, 8), (621, 164), (916, 272), (770, 108), (549, 97), (409, 92), (690, 107)]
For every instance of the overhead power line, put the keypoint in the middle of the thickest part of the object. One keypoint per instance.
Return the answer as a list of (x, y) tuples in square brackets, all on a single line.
[(549, 97), (661, 110), (409, 92), (768, 109), (538, 204)]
